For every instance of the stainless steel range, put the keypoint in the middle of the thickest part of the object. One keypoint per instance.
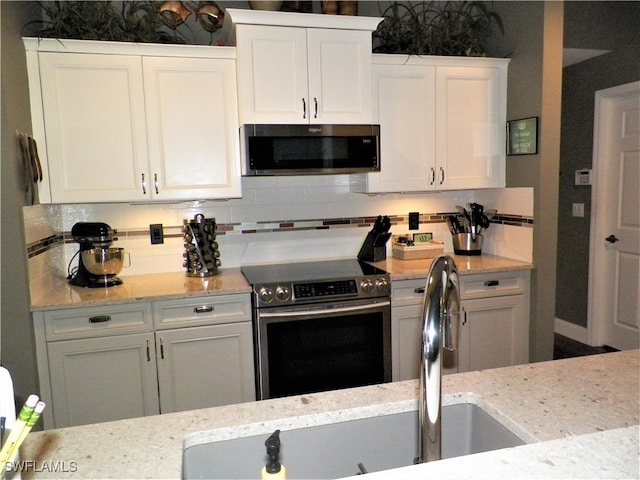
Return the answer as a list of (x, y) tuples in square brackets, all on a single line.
[(320, 326)]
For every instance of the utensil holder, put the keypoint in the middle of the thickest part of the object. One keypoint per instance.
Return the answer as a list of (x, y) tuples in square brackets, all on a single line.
[(201, 255), (467, 243)]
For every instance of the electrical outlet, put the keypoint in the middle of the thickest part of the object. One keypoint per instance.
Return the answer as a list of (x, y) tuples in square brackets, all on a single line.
[(577, 209), (414, 220), (156, 233)]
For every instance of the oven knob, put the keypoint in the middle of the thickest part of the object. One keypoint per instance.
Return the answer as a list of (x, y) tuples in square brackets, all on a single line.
[(282, 294), (367, 286), (266, 295), (382, 285)]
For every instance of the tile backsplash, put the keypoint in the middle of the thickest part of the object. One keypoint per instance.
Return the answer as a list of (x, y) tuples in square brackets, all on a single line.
[(278, 219)]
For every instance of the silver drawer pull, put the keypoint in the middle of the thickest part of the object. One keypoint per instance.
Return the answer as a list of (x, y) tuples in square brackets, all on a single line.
[(418, 290), (99, 319), (492, 283), (203, 309)]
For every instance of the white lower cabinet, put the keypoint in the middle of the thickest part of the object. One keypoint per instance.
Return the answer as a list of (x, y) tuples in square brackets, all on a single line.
[(202, 367), (102, 379), (494, 324), (108, 363)]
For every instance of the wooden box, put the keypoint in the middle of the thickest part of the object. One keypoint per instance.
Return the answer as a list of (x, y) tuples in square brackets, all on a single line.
[(417, 251)]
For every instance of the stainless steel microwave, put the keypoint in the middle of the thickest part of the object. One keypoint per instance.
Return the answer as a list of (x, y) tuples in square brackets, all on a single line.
[(310, 149)]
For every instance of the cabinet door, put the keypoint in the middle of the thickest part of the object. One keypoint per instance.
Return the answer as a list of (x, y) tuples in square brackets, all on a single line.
[(203, 367), (192, 128), (494, 333), (339, 65), (272, 74), (93, 108), (470, 128), (102, 379), (406, 324), (405, 109)]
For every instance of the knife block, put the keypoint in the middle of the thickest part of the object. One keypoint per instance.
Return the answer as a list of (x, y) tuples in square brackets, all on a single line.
[(371, 250)]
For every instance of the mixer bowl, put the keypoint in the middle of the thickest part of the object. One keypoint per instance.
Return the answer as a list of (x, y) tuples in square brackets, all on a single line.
[(103, 261)]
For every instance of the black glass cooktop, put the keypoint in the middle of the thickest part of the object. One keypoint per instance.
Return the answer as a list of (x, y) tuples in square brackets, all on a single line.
[(309, 271)]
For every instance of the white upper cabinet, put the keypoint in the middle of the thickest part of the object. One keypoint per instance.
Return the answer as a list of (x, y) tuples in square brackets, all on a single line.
[(94, 123), (442, 124), (192, 127), (315, 72), (128, 122)]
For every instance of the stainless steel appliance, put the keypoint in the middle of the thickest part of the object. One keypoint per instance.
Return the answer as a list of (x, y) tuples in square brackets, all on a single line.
[(320, 326), (310, 149), (98, 263)]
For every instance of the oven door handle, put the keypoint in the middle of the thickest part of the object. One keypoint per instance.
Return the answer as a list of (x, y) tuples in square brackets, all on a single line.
[(298, 313)]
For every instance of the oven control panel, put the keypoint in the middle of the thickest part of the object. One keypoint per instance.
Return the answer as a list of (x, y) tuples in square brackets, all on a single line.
[(281, 294), (324, 289)]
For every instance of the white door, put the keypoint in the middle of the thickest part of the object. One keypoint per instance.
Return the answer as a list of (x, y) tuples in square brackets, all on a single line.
[(95, 127), (273, 85), (614, 276), (470, 128), (201, 367), (405, 104), (192, 128), (339, 65)]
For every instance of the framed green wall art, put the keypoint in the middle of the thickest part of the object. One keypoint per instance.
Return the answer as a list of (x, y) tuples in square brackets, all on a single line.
[(522, 136)]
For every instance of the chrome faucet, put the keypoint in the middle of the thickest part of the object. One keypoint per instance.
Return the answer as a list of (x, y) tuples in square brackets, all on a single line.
[(440, 321)]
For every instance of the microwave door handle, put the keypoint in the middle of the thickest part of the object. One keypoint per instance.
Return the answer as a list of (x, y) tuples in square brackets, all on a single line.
[(324, 311), (304, 108)]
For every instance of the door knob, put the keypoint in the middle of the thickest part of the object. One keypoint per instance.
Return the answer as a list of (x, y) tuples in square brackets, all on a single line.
[(612, 239)]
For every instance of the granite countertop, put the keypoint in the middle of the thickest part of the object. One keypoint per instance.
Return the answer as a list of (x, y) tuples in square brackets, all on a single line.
[(157, 286), (582, 412), (167, 286), (410, 269)]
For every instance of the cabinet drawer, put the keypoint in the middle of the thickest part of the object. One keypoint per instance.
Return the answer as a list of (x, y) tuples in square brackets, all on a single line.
[(408, 292), (212, 310), (97, 321), (493, 284)]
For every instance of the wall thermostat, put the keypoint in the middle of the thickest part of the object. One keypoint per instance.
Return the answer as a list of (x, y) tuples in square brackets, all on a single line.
[(583, 177)]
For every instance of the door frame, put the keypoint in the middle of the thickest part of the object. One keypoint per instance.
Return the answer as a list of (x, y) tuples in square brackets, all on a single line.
[(597, 285)]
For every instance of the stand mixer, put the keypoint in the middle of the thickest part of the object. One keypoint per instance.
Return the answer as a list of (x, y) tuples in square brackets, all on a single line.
[(98, 264)]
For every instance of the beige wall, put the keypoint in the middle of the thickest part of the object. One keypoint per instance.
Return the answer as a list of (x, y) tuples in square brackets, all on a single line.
[(533, 40), (17, 343)]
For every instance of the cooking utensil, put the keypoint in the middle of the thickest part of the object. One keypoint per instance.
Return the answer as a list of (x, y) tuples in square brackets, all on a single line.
[(491, 213), (451, 223)]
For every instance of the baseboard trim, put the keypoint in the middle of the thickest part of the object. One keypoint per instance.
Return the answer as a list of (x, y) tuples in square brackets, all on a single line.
[(571, 330)]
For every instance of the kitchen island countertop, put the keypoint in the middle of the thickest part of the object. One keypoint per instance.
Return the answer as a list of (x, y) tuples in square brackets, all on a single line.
[(583, 412)]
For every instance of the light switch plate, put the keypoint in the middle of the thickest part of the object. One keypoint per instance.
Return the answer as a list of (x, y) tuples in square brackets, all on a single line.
[(156, 233), (414, 220), (577, 209)]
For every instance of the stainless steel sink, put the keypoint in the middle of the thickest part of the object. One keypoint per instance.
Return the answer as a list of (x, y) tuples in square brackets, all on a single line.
[(335, 450)]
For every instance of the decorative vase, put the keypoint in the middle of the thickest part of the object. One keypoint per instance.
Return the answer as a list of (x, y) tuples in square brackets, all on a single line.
[(342, 7), (265, 5)]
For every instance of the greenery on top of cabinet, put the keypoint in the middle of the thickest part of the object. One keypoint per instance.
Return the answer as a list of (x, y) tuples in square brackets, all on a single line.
[(436, 28), (138, 21)]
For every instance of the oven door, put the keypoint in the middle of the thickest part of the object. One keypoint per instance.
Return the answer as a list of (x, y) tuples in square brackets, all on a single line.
[(321, 347)]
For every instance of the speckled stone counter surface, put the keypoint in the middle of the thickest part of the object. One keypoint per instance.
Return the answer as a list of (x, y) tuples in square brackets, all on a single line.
[(408, 269), (142, 288), (178, 285), (579, 417)]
